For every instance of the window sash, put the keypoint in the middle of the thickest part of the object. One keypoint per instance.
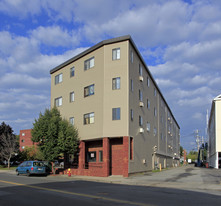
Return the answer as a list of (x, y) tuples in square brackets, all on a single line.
[(116, 83), (58, 78), (89, 90), (100, 156), (58, 102), (89, 63), (132, 56), (148, 126), (116, 113), (140, 95), (131, 115), (72, 97), (89, 118), (132, 85), (116, 54), (71, 120), (140, 70), (140, 121), (72, 70)]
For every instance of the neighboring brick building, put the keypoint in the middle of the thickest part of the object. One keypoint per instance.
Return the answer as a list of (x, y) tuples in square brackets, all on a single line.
[(125, 124), (25, 139)]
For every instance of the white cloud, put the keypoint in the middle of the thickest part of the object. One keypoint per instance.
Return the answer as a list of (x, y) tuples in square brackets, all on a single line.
[(55, 36), (198, 116), (166, 83)]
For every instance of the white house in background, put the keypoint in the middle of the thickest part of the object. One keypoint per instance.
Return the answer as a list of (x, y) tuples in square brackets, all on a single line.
[(214, 129)]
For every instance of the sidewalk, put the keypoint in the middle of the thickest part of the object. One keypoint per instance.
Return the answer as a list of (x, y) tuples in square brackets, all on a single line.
[(186, 177)]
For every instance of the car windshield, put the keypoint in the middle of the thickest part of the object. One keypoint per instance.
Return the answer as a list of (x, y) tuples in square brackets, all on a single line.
[(41, 164)]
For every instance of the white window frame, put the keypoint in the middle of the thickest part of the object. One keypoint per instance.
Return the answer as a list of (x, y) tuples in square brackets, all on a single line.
[(140, 95), (131, 115), (140, 121), (116, 83), (89, 63), (148, 82), (71, 120), (58, 78), (140, 70), (89, 90), (58, 102), (132, 85), (71, 96), (89, 118), (116, 54), (116, 113), (72, 71), (148, 126), (132, 56)]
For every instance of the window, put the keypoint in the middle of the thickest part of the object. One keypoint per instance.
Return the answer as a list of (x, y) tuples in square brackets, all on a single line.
[(155, 92), (131, 115), (148, 82), (131, 148), (71, 120), (91, 156), (140, 95), (115, 113), (58, 78), (89, 90), (22, 140), (72, 72), (23, 147), (155, 112), (148, 126), (155, 131), (89, 118), (132, 56), (140, 70), (116, 83), (116, 54), (131, 85), (72, 97), (148, 104), (23, 134), (140, 121), (89, 63), (58, 101), (100, 156)]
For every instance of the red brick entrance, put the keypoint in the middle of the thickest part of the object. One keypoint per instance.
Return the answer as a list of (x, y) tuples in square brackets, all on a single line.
[(114, 159)]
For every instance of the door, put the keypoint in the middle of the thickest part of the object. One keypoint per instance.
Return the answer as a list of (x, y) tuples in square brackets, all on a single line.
[(116, 156)]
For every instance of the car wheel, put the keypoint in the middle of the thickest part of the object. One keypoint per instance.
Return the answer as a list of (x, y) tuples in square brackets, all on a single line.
[(17, 173), (28, 173)]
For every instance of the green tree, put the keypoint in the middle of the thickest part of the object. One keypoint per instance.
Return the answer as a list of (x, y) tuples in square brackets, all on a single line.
[(193, 155), (54, 135), (33, 153), (8, 143)]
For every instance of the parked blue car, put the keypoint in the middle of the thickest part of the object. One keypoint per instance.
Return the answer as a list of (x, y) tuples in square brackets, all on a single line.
[(31, 167)]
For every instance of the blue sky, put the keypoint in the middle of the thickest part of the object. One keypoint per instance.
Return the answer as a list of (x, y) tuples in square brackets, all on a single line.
[(179, 40)]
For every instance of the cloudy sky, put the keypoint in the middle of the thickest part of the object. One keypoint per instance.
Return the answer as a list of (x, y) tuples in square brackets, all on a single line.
[(179, 40)]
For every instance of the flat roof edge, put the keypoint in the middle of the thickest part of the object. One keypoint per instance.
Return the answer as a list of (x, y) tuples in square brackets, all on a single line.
[(87, 51)]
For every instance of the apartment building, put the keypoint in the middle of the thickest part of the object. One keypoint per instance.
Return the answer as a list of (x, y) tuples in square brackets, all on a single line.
[(125, 124), (214, 131)]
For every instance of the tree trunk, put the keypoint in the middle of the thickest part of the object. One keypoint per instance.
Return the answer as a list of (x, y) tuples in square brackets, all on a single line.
[(9, 163)]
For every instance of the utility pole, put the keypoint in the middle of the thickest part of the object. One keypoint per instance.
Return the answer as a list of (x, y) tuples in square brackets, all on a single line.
[(198, 142)]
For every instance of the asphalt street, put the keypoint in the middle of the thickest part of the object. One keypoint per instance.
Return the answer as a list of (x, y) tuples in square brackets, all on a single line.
[(170, 187)]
